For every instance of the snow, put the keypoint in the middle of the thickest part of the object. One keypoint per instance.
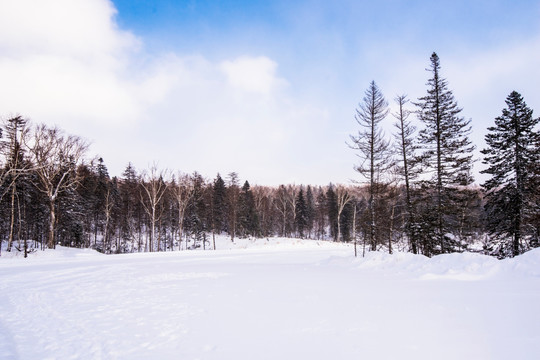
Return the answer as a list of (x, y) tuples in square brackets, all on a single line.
[(268, 299)]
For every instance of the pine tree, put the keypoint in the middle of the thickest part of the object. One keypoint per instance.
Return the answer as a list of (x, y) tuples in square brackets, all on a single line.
[(321, 214), (219, 201), (511, 157), (447, 153), (196, 212), (332, 211), (301, 217), (248, 220), (131, 210)]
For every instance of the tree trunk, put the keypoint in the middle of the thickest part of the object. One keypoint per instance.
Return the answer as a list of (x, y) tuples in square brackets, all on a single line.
[(12, 222), (52, 220)]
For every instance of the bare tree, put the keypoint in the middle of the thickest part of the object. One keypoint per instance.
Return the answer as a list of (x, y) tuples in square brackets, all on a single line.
[(262, 196), (343, 197), (292, 191), (281, 204), (233, 195), (55, 157), (182, 192), (153, 189), (407, 166)]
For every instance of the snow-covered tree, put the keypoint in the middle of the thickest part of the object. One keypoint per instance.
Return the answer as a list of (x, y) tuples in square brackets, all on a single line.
[(447, 155)]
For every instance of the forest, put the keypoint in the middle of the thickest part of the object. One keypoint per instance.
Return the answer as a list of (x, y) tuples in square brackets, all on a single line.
[(415, 191)]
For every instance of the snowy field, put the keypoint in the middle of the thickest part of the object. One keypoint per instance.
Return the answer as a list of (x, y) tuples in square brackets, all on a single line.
[(276, 299)]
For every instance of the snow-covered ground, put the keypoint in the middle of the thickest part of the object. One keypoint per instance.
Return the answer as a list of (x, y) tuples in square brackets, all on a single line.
[(268, 299)]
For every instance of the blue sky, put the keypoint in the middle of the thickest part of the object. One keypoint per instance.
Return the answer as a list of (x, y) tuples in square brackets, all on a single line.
[(267, 89)]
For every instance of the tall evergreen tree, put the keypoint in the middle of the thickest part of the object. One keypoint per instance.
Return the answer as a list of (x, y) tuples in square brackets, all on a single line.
[(219, 201), (332, 211), (511, 157), (248, 220), (301, 217), (321, 214), (447, 153), (196, 212)]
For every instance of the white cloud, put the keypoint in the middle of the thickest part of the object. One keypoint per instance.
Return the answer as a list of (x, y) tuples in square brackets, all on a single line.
[(65, 62), (252, 74), (84, 29)]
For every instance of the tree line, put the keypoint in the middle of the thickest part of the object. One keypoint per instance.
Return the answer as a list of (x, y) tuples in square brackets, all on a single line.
[(416, 192)]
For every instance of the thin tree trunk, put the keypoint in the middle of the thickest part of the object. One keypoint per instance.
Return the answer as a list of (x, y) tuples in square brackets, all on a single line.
[(12, 221), (52, 220), (354, 229)]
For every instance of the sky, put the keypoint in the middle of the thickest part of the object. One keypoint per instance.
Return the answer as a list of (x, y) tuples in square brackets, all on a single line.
[(265, 89)]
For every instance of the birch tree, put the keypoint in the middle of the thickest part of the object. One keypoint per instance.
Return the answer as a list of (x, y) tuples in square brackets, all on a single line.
[(182, 192), (153, 188), (55, 156)]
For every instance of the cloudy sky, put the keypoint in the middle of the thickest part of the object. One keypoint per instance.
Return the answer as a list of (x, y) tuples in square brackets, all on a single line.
[(266, 89)]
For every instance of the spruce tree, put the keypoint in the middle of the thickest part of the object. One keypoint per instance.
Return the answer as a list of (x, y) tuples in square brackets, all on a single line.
[(301, 216), (247, 215), (332, 211), (219, 201), (447, 156), (511, 156)]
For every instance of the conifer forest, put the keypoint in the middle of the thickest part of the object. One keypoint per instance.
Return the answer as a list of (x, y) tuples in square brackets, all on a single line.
[(415, 189)]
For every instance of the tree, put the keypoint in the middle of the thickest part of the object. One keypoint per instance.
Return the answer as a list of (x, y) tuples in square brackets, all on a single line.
[(301, 217), (219, 201), (197, 211), (233, 194), (281, 203), (447, 152), (374, 150), (407, 166), (321, 213), (131, 208), (55, 156), (331, 207), (264, 208), (343, 198), (153, 189), (310, 210), (16, 132), (182, 193), (511, 157), (247, 215)]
